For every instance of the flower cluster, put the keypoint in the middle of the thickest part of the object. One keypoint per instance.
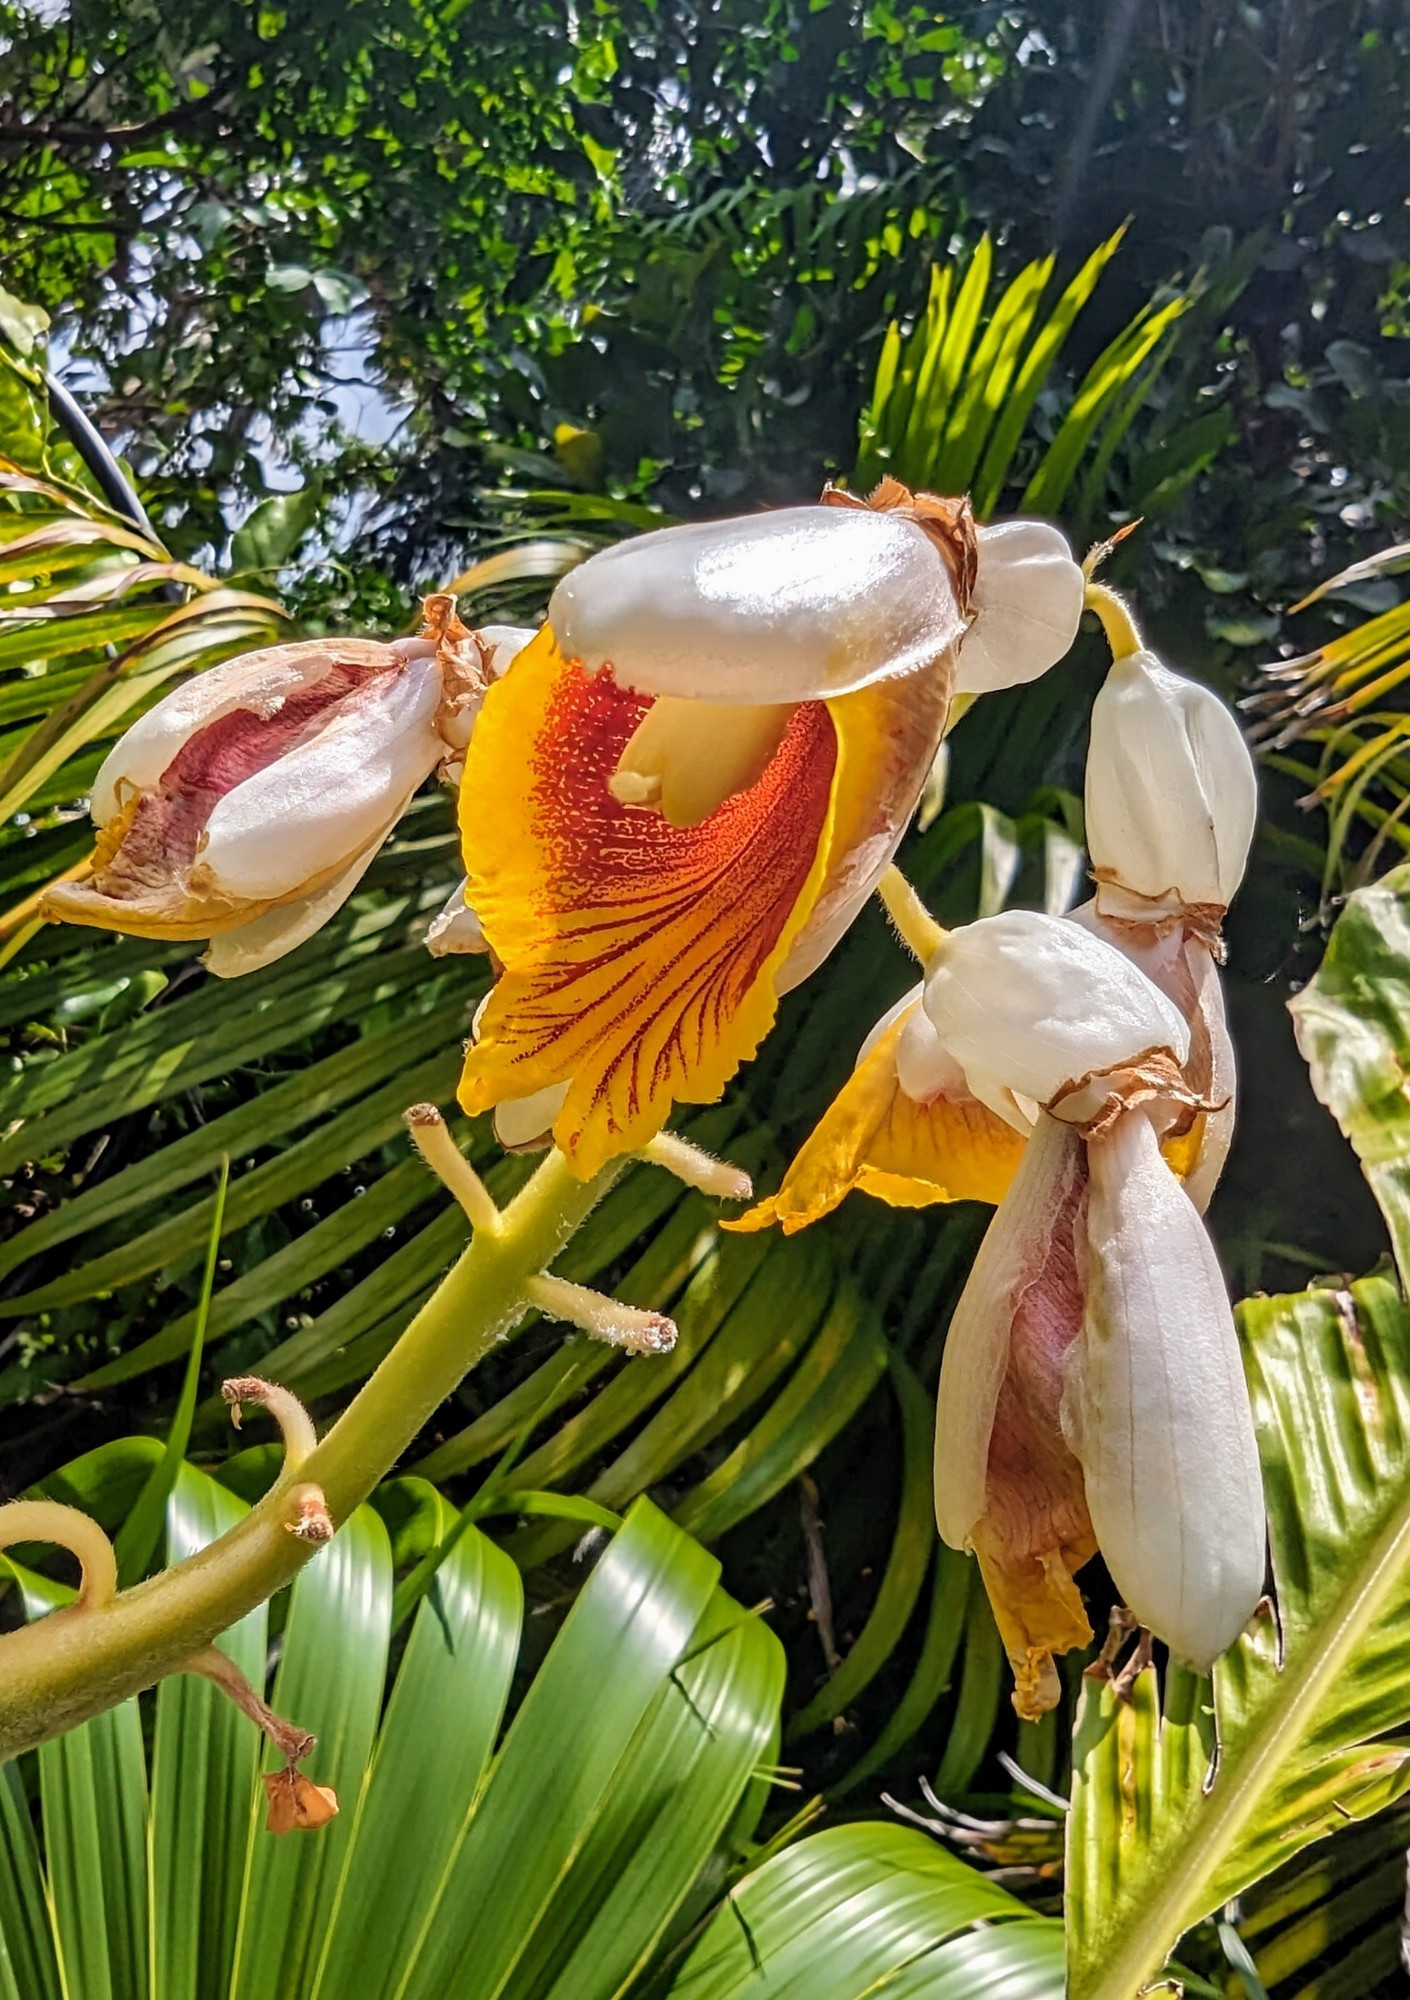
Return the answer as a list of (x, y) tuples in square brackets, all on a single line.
[(1078, 1071), (674, 797)]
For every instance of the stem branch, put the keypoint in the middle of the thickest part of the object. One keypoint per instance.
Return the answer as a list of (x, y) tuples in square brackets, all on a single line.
[(60, 1671)]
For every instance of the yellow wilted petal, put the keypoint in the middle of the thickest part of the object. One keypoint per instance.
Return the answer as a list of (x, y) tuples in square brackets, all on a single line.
[(876, 1138)]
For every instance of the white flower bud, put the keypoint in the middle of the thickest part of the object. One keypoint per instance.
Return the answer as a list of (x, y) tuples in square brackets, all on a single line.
[(455, 928), (1171, 794), (1156, 1406), (1028, 1003), (1027, 607), (788, 606)]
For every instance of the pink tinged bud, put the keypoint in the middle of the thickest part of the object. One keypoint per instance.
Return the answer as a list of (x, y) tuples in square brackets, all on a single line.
[(246, 805), (1171, 795), (1027, 605), (1156, 1406), (1006, 1482)]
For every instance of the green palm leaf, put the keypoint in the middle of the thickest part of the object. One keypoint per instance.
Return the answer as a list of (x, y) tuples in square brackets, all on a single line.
[(860, 1910), (569, 1858), (1181, 1801), (952, 402)]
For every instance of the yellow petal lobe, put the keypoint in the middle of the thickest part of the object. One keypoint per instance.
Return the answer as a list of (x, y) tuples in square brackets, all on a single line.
[(876, 1138)]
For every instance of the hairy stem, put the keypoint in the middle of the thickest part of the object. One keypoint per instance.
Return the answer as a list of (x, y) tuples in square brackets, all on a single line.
[(1115, 614), (62, 1670), (919, 930)]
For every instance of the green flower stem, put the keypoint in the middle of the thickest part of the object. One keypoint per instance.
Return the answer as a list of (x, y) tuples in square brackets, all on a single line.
[(77, 1662)]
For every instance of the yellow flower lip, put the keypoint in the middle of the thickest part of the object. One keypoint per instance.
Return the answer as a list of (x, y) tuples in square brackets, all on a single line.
[(903, 1151), (646, 929)]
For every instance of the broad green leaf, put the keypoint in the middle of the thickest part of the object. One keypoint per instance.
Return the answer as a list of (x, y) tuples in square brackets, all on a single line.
[(205, 1765), (1353, 1026), (93, 1791), (329, 1681), (609, 1678), (28, 1969), (863, 1910), (274, 530), (432, 1752)]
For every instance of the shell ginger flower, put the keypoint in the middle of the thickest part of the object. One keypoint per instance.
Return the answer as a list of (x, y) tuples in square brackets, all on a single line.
[(691, 783), (247, 804), (1091, 1393)]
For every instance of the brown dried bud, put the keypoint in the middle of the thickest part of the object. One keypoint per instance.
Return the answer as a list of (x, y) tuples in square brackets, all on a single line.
[(296, 1804)]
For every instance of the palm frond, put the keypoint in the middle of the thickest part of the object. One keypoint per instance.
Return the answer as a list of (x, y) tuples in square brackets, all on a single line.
[(953, 402), (579, 1852)]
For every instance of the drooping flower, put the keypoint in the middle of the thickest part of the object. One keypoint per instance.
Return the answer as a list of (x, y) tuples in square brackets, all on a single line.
[(1091, 1392), (247, 804), (690, 785)]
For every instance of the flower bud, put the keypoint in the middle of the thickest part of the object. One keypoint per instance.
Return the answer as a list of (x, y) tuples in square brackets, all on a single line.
[(794, 605), (1029, 1004), (1171, 794), (247, 803), (1027, 605)]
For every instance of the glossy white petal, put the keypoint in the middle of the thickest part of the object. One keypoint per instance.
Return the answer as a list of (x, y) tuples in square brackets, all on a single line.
[(977, 1343), (888, 1019), (504, 644), (1027, 607), (1157, 1409), (260, 681), (348, 782), (279, 930), (788, 606), (1027, 1003), (456, 928), (1171, 793)]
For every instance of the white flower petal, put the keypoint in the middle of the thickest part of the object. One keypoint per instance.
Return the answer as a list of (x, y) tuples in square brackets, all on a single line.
[(787, 606), (888, 1019), (1157, 1409), (260, 681), (977, 1343), (1171, 792), (456, 928), (522, 1121), (1027, 1003), (346, 784), (279, 930), (1027, 607), (504, 644)]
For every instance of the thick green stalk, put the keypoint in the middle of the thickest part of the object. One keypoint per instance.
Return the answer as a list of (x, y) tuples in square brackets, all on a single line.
[(77, 1662)]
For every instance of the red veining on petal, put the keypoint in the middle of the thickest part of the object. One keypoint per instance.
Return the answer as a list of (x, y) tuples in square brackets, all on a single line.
[(630, 945)]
